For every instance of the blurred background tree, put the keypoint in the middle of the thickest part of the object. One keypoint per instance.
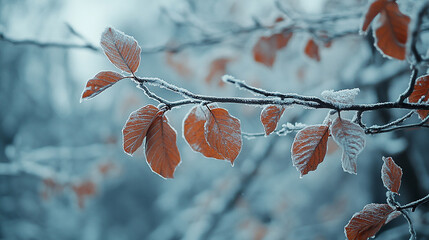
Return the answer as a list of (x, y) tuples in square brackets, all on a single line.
[(63, 174)]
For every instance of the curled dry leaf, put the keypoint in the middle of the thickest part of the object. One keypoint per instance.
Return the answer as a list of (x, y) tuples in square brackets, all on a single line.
[(162, 153), (122, 50), (223, 133), (421, 92), (391, 175), (367, 223), (309, 148), (312, 50), (351, 138), (265, 50), (99, 83), (194, 134), (137, 126), (270, 116), (391, 31)]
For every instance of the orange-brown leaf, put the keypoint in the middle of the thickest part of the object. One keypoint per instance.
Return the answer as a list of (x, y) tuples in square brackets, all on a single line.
[(391, 175), (270, 116), (217, 70), (391, 32), (122, 50), (137, 126), (223, 133), (265, 50), (309, 148), (99, 83), (312, 50), (367, 223), (421, 91), (374, 9), (162, 153), (83, 190), (193, 131)]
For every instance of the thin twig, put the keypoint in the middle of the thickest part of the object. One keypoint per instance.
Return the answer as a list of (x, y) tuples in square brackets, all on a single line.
[(88, 46)]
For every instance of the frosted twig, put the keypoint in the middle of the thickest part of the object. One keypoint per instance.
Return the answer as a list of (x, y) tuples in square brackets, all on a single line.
[(36, 43)]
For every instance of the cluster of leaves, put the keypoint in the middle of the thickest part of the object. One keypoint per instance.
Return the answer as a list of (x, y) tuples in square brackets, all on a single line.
[(367, 223), (265, 49), (211, 130)]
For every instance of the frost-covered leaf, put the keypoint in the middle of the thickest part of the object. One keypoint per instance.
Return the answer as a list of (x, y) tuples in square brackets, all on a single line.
[(366, 223), (270, 116), (99, 83), (391, 30), (265, 50), (122, 50), (136, 127), (391, 175), (223, 133), (194, 134), (162, 153), (346, 96), (312, 50), (351, 138), (309, 148), (421, 91)]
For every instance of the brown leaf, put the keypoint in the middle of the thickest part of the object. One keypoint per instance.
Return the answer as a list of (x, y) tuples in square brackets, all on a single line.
[(265, 50), (351, 138), (391, 32), (217, 70), (421, 91), (391, 175), (223, 133), (122, 50), (374, 9), (99, 83), (83, 190), (309, 148), (162, 153), (137, 126), (367, 223), (270, 116), (193, 131), (312, 50)]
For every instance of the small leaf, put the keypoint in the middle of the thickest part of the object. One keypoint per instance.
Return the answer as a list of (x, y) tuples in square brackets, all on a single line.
[(421, 91), (374, 9), (309, 148), (217, 70), (162, 153), (136, 127), (391, 31), (223, 133), (312, 50), (346, 96), (265, 50), (270, 116), (83, 190), (391, 175), (194, 134), (351, 138), (99, 83), (122, 50), (366, 223)]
